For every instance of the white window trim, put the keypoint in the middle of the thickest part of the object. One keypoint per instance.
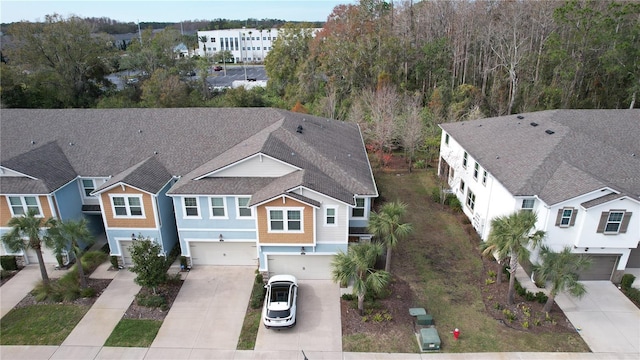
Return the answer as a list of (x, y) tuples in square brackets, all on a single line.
[(465, 160), (468, 197), (532, 206), (476, 171), (82, 188), (614, 222), (484, 177), (562, 217), (224, 204), (127, 206), (335, 216), (364, 208), (248, 207), (184, 208), (285, 220), (23, 203)]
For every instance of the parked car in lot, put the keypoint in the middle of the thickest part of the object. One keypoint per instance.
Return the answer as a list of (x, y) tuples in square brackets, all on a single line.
[(279, 308), (217, 68)]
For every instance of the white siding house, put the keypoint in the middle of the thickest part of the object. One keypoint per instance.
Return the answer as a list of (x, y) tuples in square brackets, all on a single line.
[(579, 170)]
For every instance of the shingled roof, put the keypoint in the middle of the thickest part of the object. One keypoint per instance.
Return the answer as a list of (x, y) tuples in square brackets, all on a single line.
[(557, 154), (146, 147)]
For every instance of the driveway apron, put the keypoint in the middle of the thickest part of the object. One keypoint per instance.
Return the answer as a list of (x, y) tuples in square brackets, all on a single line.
[(209, 310), (607, 321), (318, 326)]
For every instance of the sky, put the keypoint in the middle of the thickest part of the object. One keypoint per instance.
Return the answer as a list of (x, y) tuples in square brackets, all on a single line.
[(170, 10)]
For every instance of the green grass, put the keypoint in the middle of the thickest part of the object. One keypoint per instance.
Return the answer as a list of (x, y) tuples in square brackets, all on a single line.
[(250, 326), (134, 333), (441, 261), (40, 324)]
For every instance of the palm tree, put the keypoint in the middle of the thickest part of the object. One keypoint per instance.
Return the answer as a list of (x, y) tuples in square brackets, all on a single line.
[(203, 40), (70, 234), (28, 226), (387, 227), (510, 237), (357, 266), (561, 268)]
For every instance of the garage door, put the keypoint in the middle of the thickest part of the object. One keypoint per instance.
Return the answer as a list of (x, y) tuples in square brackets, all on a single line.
[(634, 258), (126, 252), (602, 267), (304, 267), (47, 254), (223, 253)]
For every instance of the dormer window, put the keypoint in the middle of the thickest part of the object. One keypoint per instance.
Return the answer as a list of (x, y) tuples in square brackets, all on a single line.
[(527, 204)]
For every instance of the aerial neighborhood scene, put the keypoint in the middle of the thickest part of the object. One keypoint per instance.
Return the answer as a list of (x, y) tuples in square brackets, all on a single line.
[(358, 179)]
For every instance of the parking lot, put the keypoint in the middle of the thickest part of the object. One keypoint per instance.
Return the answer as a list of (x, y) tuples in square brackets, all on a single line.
[(318, 326)]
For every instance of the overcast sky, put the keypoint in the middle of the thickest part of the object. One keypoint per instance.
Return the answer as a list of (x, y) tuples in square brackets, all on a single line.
[(170, 10)]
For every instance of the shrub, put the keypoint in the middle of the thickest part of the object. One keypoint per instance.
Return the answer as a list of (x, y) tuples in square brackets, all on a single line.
[(509, 315), (8, 262), (455, 204), (92, 259), (257, 294), (348, 297), (114, 262), (435, 194), (378, 317), (489, 281), (88, 292), (259, 279), (152, 301), (420, 164), (541, 297), (183, 262), (634, 295), (492, 274), (525, 324), (529, 296), (627, 281), (174, 279)]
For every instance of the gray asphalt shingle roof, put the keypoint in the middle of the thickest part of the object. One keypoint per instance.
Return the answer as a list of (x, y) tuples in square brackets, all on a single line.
[(587, 150), (145, 147)]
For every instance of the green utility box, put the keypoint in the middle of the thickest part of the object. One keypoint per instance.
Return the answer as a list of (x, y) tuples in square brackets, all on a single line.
[(417, 311), (424, 319), (429, 339)]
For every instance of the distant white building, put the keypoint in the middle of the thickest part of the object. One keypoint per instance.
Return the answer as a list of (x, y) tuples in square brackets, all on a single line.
[(246, 45)]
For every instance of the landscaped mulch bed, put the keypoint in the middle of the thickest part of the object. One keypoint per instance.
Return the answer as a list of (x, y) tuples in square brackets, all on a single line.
[(169, 291), (99, 285)]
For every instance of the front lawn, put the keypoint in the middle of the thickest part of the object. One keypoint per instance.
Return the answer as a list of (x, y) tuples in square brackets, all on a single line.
[(134, 333), (47, 324)]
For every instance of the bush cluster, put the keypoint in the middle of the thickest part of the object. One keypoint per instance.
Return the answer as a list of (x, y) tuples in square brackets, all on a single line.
[(152, 301), (257, 294), (540, 296), (8, 262)]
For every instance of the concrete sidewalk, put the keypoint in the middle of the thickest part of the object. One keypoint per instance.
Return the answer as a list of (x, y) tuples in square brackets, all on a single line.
[(14, 290)]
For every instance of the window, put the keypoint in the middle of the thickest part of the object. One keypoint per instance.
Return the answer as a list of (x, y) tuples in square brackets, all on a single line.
[(218, 207), (358, 211), (213, 39), (330, 216), (191, 207), (484, 177), (243, 207), (462, 186), (127, 206), (285, 220), (476, 171), (527, 204), (566, 217), (471, 200), (465, 158), (614, 222), (446, 139), (88, 186), (20, 205)]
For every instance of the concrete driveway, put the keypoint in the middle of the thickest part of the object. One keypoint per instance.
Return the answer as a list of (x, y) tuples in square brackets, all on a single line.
[(318, 327), (208, 312), (607, 321)]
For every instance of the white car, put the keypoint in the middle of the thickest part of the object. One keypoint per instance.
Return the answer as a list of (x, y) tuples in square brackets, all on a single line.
[(279, 308)]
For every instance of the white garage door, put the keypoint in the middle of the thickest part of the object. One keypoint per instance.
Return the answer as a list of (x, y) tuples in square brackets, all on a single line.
[(47, 254), (304, 267), (126, 252), (223, 253), (602, 267)]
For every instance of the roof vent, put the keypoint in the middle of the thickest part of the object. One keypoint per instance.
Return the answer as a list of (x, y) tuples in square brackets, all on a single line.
[(299, 129), (71, 144), (534, 124), (549, 131), (520, 117), (155, 152), (139, 131), (33, 142)]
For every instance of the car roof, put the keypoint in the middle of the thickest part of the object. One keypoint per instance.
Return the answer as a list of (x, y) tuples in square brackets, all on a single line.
[(287, 278)]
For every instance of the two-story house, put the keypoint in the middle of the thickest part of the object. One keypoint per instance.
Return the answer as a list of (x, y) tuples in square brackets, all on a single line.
[(579, 170), (266, 187)]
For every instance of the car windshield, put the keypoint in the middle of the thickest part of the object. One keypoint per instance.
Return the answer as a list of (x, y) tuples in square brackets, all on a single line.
[(278, 314)]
